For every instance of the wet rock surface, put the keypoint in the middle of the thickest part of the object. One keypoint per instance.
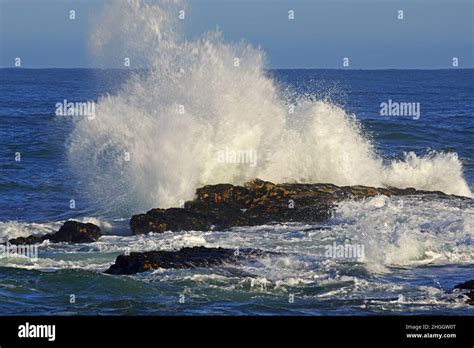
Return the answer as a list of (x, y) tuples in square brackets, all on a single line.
[(258, 202), (467, 288), (137, 262), (69, 232)]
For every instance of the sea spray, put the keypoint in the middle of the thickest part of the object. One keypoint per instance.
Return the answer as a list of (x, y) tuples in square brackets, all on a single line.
[(155, 141), (400, 231)]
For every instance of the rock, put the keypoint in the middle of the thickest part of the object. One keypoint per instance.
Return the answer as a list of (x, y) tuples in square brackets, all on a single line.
[(70, 232), (257, 202), (137, 262), (172, 219), (76, 232), (28, 240), (468, 285)]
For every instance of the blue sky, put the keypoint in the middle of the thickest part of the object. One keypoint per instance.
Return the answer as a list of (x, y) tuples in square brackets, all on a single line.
[(322, 33)]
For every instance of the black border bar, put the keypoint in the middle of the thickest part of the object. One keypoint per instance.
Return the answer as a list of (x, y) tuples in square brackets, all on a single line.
[(264, 330)]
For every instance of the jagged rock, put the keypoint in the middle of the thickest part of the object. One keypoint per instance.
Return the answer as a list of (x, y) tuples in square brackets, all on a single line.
[(469, 285), (137, 262), (76, 232), (28, 240), (70, 232), (257, 202), (172, 219)]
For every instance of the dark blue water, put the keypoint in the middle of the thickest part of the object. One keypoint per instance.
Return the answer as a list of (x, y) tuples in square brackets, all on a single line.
[(35, 195), (38, 188)]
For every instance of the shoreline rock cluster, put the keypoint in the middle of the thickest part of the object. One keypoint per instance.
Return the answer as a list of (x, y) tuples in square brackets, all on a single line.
[(258, 202), (224, 206)]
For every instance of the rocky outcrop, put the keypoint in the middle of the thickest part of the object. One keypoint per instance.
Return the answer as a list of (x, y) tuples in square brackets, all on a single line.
[(257, 202), (28, 240), (173, 219), (70, 232), (468, 289), (184, 258)]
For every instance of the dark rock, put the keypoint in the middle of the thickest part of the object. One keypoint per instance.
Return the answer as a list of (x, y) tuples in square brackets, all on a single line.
[(183, 258), (257, 202), (468, 285), (70, 232), (28, 240), (173, 219), (76, 232)]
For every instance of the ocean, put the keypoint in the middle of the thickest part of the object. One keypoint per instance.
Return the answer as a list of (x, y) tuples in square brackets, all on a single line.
[(306, 125)]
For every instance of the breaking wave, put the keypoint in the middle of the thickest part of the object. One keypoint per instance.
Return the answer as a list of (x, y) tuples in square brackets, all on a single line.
[(159, 138)]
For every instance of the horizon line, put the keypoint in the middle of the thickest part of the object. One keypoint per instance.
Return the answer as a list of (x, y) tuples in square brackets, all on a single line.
[(273, 68)]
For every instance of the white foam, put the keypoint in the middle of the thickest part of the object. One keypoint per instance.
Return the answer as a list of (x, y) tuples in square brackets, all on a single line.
[(14, 229), (225, 107), (408, 230)]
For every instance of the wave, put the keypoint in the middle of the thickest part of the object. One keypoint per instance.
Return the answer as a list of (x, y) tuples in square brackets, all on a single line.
[(408, 231), (160, 137)]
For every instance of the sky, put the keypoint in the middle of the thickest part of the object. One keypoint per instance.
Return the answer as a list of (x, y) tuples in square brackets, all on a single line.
[(321, 34)]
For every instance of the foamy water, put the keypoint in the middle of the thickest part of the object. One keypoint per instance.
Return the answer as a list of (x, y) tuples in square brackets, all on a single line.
[(410, 254)]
